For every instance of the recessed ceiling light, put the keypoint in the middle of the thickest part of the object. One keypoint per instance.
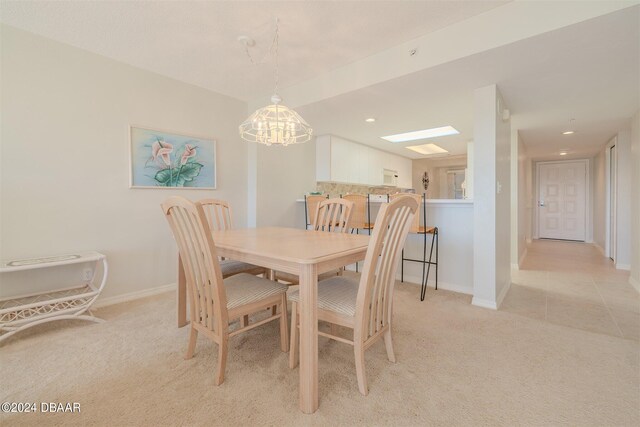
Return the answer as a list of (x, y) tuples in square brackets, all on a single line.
[(563, 153), (427, 149), (422, 134), (370, 120), (568, 132)]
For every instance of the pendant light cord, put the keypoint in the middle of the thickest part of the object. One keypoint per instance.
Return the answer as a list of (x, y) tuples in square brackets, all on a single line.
[(276, 41), (274, 47)]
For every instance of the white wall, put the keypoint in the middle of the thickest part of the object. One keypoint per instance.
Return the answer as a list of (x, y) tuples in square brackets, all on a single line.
[(503, 203), (470, 163), (599, 201), (623, 201), (455, 254), (625, 190), (634, 279), (284, 175), (492, 222), (65, 157), (529, 202), (519, 224)]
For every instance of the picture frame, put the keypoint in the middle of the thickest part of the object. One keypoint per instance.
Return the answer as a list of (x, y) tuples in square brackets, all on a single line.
[(163, 159)]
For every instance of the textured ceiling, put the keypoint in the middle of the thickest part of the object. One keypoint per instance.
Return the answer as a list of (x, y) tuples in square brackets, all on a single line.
[(195, 41), (587, 71)]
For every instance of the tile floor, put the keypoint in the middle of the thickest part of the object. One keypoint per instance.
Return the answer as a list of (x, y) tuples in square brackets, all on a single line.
[(572, 284)]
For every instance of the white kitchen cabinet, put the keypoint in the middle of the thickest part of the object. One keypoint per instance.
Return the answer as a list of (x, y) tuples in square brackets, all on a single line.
[(374, 169), (361, 171), (340, 160)]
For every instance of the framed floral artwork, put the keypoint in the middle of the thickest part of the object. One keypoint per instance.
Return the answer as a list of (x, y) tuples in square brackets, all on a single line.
[(162, 159)]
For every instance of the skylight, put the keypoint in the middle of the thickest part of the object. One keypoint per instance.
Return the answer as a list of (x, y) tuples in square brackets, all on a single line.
[(422, 134), (427, 149)]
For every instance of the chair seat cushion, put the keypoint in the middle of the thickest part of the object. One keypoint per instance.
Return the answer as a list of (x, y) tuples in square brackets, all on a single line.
[(243, 289), (230, 267), (337, 294)]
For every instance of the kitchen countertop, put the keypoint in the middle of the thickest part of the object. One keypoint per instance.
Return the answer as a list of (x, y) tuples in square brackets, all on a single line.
[(429, 201)]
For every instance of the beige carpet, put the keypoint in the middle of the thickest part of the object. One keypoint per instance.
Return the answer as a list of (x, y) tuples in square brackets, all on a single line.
[(457, 365)]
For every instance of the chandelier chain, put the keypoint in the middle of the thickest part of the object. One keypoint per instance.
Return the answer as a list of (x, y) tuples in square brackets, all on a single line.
[(276, 41), (273, 51)]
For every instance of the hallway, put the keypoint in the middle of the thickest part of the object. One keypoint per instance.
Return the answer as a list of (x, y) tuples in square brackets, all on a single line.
[(571, 284)]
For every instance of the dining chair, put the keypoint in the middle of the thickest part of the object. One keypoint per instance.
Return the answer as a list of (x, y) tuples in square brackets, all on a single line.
[(366, 305), (420, 228), (214, 301), (361, 213), (218, 215), (311, 203), (332, 215)]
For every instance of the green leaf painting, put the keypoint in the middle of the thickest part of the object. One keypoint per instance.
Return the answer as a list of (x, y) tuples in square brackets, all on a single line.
[(160, 159)]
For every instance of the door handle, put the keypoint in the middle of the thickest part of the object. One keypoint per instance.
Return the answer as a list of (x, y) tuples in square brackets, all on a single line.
[(541, 203)]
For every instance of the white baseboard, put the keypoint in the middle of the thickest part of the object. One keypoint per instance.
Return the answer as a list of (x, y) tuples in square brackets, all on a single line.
[(599, 248), (515, 266), (503, 293), (450, 287), (484, 303), (635, 283), (441, 285), (623, 267), (103, 302), (493, 305), (414, 280)]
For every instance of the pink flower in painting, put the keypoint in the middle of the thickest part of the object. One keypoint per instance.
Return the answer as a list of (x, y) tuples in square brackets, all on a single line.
[(162, 150), (189, 151)]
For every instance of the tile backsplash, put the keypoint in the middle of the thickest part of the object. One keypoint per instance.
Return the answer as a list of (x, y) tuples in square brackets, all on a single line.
[(335, 189)]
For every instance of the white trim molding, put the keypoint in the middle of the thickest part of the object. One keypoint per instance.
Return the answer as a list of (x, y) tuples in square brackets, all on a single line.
[(610, 252), (626, 267), (117, 299), (503, 294), (431, 283), (448, 287), (484, 303), (493, 305)]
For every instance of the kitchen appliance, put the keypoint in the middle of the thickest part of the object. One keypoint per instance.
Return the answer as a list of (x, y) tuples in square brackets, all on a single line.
[(389, 177)]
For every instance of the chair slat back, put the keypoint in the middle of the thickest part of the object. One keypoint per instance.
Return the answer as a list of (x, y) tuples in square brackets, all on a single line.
[(312, 202), (333, 215), (375, 294), (359, 211), (208, 300), (415, 225), (218, 214)]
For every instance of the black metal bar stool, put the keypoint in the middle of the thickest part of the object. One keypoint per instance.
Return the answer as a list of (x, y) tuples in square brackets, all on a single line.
[(417, 228)]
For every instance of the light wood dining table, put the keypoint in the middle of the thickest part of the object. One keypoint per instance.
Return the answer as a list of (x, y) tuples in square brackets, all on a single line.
[(301, 252)]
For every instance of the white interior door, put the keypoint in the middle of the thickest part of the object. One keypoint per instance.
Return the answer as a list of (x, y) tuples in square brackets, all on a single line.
[(562, 200)]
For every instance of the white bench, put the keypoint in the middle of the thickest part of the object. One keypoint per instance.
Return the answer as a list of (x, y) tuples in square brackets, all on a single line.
[(24, 311)]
